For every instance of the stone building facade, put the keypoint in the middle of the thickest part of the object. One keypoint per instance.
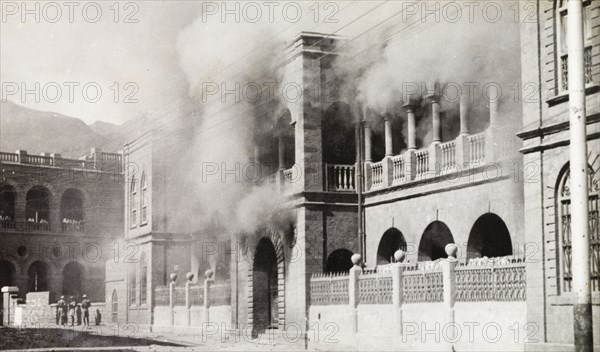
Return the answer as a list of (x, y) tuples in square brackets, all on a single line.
[(461, 187), (59, 219), (545, 134)]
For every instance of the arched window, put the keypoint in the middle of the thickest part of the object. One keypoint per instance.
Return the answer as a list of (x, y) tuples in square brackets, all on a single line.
[(71, 211), (37, 210), (143, 200), (562, 42), (563, 204), (143, 279), (132, 286), (7, 206), (133, 204)]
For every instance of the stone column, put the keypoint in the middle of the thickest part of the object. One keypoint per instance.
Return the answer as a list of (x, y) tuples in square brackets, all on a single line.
[(491, 134), (397, 290), (207, 283), (463, 156), (172, 284), (368, 149), (464, 111), (353, 293), (436, 124), (448, 266), (411, 126), (188, 303), (409, 157), (389, 150)]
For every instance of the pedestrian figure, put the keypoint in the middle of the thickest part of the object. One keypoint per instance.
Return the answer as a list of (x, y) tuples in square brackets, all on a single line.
[(72, 307), (64, 312), (85, 305), (98, 317), (60, 305)]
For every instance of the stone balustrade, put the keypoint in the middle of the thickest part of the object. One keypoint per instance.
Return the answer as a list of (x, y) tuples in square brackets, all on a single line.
[(97, 160), (437, 159)]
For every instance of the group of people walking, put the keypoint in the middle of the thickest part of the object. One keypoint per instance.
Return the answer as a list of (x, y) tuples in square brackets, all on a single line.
[(72, 310)]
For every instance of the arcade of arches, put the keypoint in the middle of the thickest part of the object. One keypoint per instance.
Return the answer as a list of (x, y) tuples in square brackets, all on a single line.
[(489, 237)]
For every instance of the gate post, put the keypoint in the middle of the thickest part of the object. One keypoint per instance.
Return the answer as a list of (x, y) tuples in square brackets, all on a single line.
[(449, 277), (353, 294)]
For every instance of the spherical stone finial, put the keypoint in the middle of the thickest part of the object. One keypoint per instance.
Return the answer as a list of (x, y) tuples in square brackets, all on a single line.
[(173, 277), (189, 276), (451, 250), (356, 259), (208, 273), (399, 256)]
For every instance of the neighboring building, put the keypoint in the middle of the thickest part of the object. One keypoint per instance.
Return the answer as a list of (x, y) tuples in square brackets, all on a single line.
[(58, 221), (545, 133)]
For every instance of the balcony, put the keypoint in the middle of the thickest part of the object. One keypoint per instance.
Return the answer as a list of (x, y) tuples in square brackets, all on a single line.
[(437, 159), (340, 178)]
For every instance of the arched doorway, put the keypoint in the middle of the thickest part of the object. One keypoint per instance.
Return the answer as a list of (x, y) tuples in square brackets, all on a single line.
[(37, 277), (7, 274), (339, 261), (390, 242), (434, 240), (265, 291), (71, 211), (114, 307), (489, 237), (73, 280)]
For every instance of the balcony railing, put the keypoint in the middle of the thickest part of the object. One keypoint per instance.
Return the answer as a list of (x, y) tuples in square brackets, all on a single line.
[(422, 162), (340, 177), (477, 147), (448, 154), (376, 175), (398, 174), (73, 226), (435, 160), (111, 162), (9, 157)]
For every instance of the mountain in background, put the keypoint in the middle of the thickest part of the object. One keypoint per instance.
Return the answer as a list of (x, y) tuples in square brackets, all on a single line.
[(41, 131)]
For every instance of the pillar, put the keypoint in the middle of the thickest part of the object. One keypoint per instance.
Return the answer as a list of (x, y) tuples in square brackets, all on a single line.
[(397, 290), (188, 303), (582, 307), (353, 293), (389, 151), (207, 283), (464, 110), (172, 298), (8, 293), (411, 127), (435, 119), (449, 281), (368, 135)]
